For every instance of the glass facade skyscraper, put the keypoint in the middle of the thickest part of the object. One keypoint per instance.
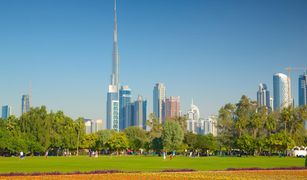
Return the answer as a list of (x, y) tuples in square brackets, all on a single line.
[(124, 101), (25, 103), (140, 113), (263, 96), (302, 89), (113, 109), (158, 101), (282, 91), (7, 111)]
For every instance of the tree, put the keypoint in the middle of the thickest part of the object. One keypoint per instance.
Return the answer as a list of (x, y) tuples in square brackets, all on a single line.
[(280, 142), (157, 144), (172, 135), (246, 143), (80, 130), (190, 139), (182, 121), (205, 143), (286, 116), (155, 133), (103, 137), (257, 121), (155, 127), (38, 126), (271, 123), (118, 142), (137, 137), (243, 113), (226, 127), (89, 141)]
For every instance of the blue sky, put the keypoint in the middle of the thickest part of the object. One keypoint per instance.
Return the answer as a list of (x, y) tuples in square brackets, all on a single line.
[(213, 51)]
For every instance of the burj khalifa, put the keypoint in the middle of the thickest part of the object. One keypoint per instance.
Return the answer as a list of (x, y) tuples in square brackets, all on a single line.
[(113, 95)]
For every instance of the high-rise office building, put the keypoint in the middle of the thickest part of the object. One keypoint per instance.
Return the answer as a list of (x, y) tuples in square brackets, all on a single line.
[(25, 103), (172, 107), (113, 109), (208, 126), (7, 111), (129, 113), (158, 101), (93, 126), (113, 112), (194, 120), (263, 96), (140, 112), (96, 125), (282, 91), (124, 101), (302, 89)]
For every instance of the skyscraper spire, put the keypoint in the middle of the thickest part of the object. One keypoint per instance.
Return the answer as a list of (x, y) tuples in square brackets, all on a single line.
[(115, 68), (113, 95)]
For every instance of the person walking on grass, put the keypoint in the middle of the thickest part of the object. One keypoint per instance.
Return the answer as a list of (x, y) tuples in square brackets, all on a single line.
[(46, 154), (21, 155)]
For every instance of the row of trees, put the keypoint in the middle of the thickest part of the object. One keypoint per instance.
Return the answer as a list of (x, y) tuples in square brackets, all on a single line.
[(38, 131), (256, 130), (242, 127), (171, 136)]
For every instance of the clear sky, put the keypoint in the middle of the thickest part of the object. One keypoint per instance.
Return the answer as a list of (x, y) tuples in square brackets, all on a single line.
[(213, 51)]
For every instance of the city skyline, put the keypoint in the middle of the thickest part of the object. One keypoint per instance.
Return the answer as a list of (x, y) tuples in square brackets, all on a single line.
[(61, 77)]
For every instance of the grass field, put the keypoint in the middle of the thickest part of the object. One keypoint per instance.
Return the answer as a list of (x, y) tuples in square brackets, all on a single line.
[(140, 163)]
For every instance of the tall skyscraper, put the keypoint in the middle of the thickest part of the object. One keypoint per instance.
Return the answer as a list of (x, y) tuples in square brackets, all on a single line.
[(129, 113), (113, 109), (302, 89), (158, 101), (140, 112), (263, 96), (7, 111), (172, 107), (25, 103), (124, 101), (282, 91)]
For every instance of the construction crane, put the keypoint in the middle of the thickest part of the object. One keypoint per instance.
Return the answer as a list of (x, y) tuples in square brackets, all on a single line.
[(289, 70)]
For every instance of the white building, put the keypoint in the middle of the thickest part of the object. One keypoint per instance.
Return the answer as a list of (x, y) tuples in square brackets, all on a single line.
[(99, 125), (93, 126), (88, 126), (208, 126), (194, 120), (282, 91), (198, 125)]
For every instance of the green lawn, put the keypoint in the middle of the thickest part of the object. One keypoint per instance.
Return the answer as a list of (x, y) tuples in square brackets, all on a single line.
[(140, 163)]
